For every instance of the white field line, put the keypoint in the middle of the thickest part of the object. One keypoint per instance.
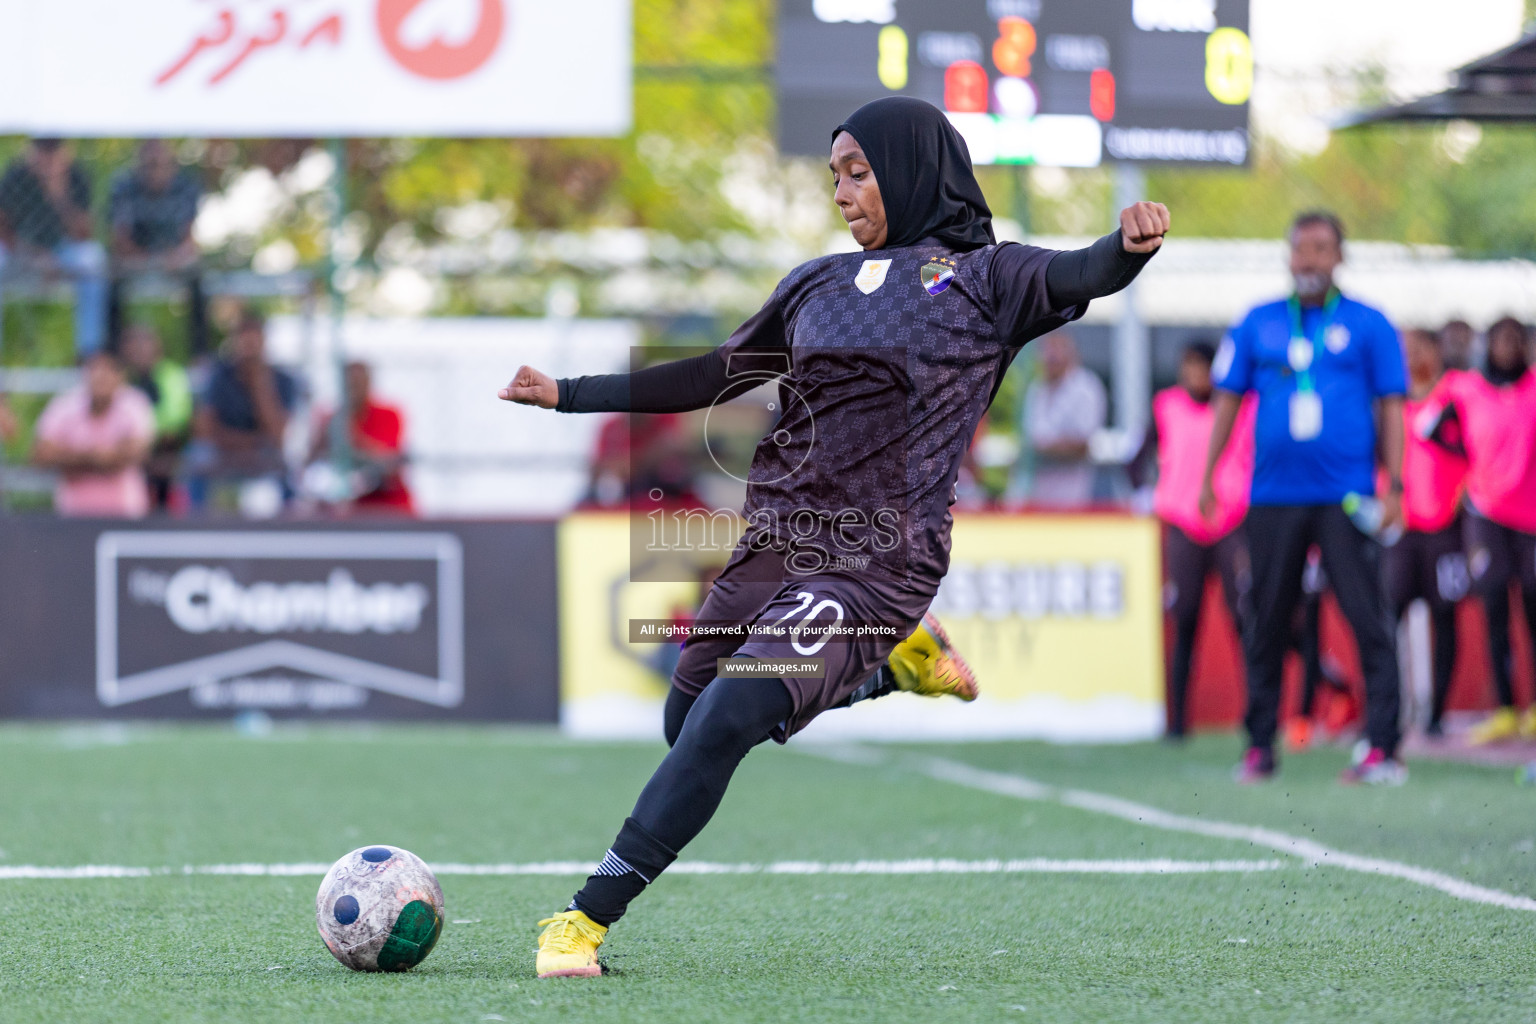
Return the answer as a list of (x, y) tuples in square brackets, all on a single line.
[(924, 866), (1311, 852)]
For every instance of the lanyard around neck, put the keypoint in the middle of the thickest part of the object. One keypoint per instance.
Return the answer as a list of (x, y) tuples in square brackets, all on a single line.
[(1304, 349)]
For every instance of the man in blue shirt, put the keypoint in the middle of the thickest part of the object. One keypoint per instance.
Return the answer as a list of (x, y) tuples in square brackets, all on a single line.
[(1327, 370)]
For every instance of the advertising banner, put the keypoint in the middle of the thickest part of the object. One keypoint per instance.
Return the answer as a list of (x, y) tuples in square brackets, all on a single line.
[(416, 620), (1060, 616), (315, 67)]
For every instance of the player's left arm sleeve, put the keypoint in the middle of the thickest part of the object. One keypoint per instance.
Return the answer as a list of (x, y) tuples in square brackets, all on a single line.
[(1075, 276), (1021, 302)]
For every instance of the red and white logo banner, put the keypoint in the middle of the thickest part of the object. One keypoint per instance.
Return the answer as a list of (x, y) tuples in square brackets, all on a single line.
[(315, 67)]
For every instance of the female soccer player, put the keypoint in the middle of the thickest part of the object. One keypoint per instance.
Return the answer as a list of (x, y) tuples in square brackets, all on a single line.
[(1194, 545), (886, 359), (1497, 414), (1427, 562)]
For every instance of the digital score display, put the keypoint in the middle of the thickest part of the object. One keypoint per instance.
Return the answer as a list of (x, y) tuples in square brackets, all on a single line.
[(1067, 83)]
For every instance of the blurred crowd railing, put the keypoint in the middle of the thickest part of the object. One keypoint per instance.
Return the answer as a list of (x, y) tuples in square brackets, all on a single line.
[(107, 303)]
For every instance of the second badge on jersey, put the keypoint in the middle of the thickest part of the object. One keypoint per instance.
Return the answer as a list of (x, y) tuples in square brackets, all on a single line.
[(937, 275)]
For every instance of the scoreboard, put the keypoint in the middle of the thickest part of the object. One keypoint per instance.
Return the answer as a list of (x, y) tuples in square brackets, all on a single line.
[(1066, 83)]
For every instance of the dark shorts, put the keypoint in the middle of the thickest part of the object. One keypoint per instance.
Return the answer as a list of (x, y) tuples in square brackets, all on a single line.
[(1497, 554), (1432, 566), (755, 588)]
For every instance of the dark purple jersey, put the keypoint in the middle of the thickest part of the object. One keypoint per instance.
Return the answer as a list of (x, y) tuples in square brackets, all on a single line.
[(885, 362)]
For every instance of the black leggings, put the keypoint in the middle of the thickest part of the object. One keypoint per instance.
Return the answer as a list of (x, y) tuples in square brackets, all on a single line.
[(709, 735), (1188, 563), (1498, 607), (676, 712), (1500, 556)]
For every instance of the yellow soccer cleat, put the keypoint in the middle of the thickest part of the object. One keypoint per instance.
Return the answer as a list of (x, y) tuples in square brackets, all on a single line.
[(568, 946), (927, 663), (1528, 723), (1503, 724)]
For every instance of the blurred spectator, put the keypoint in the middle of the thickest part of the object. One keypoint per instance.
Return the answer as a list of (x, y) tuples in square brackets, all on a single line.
[(1323, 367), (1427, 563), (242, 415), (151, 211), (638, 455), (1063, 408), (45, 224), (1496, 415), (1457, 345), (97, 436), (1194, 546), (377, 439), (165, 383)]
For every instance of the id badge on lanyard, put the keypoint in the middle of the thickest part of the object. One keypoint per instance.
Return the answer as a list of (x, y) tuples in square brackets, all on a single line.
[(1306, 408)]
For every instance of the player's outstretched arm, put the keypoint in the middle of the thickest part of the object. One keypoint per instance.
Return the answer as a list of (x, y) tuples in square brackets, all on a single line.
[(679, 386), (1075, 276)]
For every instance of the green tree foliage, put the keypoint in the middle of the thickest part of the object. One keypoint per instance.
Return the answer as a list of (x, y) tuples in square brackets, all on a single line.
[(1469, 188), (701, 88)]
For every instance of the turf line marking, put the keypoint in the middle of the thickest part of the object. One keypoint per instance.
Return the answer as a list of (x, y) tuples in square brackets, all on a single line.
[(919, 866), (1310, 851)]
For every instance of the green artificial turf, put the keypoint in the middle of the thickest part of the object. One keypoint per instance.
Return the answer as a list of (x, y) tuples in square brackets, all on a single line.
[(1295, 944)]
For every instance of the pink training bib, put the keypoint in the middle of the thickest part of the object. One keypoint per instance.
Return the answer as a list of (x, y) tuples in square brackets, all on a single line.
[(1183, 439), (1499, 429), (1433, 477)]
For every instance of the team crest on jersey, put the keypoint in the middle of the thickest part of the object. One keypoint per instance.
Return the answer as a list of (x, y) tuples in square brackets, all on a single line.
[(872, 275), (1336, 337), (937, 275)]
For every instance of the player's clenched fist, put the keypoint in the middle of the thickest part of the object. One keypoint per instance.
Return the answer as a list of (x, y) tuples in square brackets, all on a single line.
[(1143, 225), (530, 387)]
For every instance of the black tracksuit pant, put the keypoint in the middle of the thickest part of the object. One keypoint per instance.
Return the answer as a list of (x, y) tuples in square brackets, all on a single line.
[(1187, 563), (1278, 538)]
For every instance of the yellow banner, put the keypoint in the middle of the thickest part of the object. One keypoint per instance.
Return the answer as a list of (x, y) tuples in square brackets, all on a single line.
[(1060, 616)]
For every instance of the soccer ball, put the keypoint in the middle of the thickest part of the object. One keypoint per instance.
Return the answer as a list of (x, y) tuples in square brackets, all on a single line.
[(380, 909)]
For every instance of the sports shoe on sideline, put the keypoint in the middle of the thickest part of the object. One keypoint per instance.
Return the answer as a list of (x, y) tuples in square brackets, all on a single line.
[(1528, 723), (1257, 765), (568, 946), (1375, 769), (1502, 725), (927, 663), (1298, 733)]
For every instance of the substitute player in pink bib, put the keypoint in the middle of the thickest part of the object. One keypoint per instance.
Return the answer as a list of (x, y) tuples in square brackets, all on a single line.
[(1496, 412), (1428, 562), (1182, 417)]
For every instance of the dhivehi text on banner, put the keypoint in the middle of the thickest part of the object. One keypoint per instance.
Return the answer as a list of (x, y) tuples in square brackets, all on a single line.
[(315, 67), (1060, 616)]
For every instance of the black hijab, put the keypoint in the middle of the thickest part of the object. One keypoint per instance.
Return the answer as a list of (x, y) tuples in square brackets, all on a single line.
[(924, 172)]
